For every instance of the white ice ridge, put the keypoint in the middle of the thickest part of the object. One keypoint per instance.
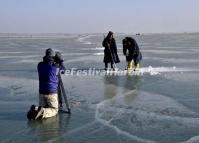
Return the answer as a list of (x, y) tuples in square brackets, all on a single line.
[(82, 39), (99, 48), (102, 48), (98, 54)]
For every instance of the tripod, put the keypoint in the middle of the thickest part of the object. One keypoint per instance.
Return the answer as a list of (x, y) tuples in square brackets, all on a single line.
[(61, 95)]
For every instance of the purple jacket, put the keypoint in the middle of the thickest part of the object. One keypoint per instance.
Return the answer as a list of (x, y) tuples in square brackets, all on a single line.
[(48, 80)]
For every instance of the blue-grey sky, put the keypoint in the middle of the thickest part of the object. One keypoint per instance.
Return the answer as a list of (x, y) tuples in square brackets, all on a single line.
[(85, 16)]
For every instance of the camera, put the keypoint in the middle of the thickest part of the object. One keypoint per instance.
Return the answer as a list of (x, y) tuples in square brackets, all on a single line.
[(58, 59)]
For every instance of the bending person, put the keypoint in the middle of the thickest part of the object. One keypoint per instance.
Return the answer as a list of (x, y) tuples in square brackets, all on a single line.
[(132, 52)]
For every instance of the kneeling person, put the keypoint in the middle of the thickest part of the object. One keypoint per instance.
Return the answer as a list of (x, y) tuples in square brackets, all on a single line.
[(48, 87)]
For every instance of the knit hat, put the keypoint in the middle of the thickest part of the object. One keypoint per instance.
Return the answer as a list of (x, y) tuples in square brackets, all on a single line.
[(110, 33), (49, 52)]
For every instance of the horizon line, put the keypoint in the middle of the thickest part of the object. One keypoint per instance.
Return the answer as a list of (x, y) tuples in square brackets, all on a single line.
[(82, 33)]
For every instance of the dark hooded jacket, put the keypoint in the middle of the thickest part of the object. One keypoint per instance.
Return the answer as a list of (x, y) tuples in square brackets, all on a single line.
[(130, 45), (110, 51)]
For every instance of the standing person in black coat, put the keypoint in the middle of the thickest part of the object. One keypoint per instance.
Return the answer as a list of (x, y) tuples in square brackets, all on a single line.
[(110, 51), (132, 52)]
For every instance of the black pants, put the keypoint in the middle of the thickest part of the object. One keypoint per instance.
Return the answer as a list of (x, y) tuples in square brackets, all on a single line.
[(106, 65)]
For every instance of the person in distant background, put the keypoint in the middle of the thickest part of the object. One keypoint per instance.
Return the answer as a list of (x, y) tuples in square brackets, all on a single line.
[(132, 52), (110, 51), (48, 71)]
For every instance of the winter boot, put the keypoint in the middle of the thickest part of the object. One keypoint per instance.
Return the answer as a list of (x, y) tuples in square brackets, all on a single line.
[(130, 65), (32, 112), (40, 113), (137, 67)]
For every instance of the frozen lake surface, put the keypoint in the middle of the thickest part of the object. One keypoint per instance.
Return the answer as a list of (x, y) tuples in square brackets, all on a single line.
[(158, 105)]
